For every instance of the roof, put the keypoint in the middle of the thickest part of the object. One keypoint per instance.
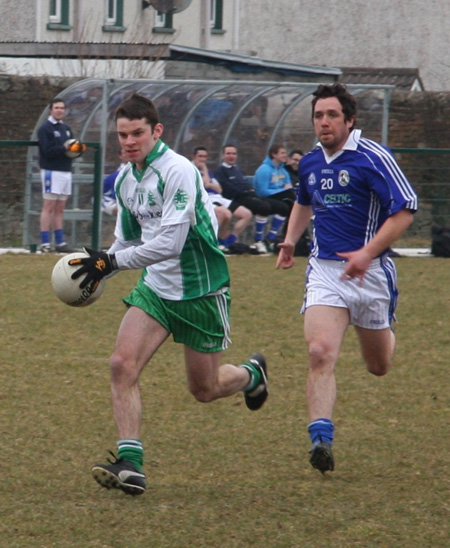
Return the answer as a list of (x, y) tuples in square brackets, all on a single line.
[(402, 78), (163, 51)]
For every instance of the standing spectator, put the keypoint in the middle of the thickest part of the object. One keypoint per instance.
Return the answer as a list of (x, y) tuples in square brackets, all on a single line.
[(227, 237), (237, 188), (167, 227), (56, 176), (361, 202), (291, 166)]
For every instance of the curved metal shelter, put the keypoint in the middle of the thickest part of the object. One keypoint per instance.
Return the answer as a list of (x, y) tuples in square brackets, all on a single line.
[(249, 114)]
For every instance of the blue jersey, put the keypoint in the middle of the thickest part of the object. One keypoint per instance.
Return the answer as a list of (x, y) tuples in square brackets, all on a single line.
[(351, 193)]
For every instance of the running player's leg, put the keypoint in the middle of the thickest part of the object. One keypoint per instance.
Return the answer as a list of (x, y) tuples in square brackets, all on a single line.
[(324, 329), (208, 380), (139, 336), (377, 348)]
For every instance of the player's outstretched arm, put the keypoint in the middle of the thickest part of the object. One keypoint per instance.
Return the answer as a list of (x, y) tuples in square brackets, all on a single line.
[(298, 222)]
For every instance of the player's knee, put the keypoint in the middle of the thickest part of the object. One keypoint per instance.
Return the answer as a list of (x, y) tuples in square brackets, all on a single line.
[(379, 368), (122, 368), (202, 394), (321, 355)]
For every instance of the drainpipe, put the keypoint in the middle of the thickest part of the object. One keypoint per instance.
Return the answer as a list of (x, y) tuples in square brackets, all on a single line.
[(205, 27), (38, 21), (78, 20), (236, 19)]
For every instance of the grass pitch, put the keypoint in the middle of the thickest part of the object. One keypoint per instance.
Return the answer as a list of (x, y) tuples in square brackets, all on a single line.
[(219, 475)]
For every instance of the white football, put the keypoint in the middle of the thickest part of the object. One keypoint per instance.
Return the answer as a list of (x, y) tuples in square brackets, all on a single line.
[(68, 290), (75, 148)]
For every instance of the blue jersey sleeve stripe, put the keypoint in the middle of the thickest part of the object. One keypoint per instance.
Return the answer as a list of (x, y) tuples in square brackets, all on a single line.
[(392, 170)]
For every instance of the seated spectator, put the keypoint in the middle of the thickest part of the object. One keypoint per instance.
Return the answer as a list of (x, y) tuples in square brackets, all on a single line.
[(291, 165), (227, 236), (109, 202), (272, 180), (237, 188)]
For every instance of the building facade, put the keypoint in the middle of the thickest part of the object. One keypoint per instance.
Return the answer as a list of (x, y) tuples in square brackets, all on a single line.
[(407, 34)]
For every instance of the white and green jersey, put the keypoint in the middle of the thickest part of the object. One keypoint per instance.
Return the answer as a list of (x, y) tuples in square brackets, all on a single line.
[(167, 225)]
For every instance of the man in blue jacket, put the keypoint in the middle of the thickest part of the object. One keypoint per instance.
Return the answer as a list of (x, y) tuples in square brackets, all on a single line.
[(272, 179)]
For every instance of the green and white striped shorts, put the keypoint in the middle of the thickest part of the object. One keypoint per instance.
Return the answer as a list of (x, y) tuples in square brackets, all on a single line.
[(201, 324)]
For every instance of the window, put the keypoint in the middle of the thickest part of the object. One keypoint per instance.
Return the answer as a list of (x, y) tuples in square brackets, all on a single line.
[(216, 12), (59, 15), (163, 22), (113, 16)]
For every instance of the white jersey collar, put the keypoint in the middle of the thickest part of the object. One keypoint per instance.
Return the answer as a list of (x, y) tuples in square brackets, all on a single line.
[(350, 144)]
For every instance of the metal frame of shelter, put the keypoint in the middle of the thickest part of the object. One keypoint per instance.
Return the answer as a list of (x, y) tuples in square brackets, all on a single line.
[(250, 114)]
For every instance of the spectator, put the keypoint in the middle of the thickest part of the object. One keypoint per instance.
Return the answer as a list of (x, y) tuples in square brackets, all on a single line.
[(109, 201), (56, 176), (291, 166), (272, 180), (237, 188), (227, 237)]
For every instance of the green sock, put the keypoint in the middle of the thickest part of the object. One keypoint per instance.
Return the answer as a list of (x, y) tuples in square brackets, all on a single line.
[(255, 376), (132, 451)]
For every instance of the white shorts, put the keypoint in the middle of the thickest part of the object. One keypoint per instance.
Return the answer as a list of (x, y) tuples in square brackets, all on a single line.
[(56, 183), (218, 199), (371, 305)]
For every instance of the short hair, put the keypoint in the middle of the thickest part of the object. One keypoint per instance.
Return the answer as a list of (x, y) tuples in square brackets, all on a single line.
[(275, 149), (344, 97), (198, 149), (137, 107), (56, 100), (295, 151), (228, 145)]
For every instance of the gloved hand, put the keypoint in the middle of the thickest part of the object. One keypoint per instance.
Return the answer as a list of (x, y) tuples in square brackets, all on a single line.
[(98, 265)]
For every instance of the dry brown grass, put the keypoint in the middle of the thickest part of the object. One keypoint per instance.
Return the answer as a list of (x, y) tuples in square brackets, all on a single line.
[(220, 476)]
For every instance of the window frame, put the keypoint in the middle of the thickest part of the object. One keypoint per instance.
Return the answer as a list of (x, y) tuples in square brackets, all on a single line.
[(114, 23), (58, 16), (163, 23), (216, 17)]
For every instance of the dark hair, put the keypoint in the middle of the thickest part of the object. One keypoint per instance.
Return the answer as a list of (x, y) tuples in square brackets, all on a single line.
[(56, 100), (344, 97), (274, 149), (228, 145), (296, 151), (198, 149), (137, 107)]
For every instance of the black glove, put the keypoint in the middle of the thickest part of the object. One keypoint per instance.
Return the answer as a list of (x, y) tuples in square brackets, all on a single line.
[(98, 265)]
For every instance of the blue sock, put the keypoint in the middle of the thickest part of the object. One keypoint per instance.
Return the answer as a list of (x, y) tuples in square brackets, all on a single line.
[(277, 223), (230, 240), (260, 225), (59, 237), (321, 430), (45, 237)]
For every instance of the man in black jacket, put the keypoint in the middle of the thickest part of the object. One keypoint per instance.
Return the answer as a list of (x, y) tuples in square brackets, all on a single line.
[(236, 187)]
